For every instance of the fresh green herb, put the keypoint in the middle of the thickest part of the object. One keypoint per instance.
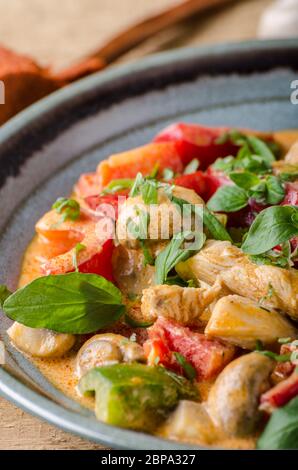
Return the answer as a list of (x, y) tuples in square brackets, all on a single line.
[(228, 199), (148, 258), (69, 303), (118, 185), (69, 208), (270, 293), (78, 248), (215, 228), (284, 340), (273, 226), (154, 172), (149, 191), (282, 258), (244, 179), (175, 252), (275, 190), (136, 185), (4, 294), (136, 324), (276, 357), (281, 431), (168, 174), (254, 154), (289, 176), (156, 360), (189, 370), (191, 167)]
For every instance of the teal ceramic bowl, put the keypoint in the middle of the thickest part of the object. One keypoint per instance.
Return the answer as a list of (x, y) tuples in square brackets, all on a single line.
[(45, 148)]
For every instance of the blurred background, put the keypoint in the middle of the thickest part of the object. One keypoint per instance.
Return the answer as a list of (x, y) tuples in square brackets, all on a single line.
[(59, 33)]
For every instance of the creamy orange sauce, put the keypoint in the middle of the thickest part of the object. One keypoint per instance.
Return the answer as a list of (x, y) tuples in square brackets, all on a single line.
[(61, 372)]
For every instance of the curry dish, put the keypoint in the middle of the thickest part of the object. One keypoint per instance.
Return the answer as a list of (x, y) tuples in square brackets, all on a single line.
[(163, 293)]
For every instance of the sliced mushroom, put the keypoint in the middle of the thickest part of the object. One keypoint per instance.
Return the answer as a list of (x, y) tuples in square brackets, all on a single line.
[(40, 342), (190, 422), (107, 349), (234, 398), (241, 321)]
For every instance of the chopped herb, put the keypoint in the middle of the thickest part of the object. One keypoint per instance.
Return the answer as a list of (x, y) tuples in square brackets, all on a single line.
[(154, 172), (189, 370), (191, 167), (148, 258), (284, 340), (156, 360), (175, 252), (118, 185), (276, 357), (78, 248), (135, 323), (168, 174), (69, 208)]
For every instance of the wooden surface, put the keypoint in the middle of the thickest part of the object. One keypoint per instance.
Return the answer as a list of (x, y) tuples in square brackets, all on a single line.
[(61, 31)]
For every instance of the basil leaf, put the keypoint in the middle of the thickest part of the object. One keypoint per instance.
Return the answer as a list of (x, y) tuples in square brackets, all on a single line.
[(211, 223), (275, 190), (261, 148), (69, 208), (191, 167), (289, 176), (69, 303), (281, 431), (149, 191), (148, 258), (136, 185), (174, 252), (224, 164), (245, 179), (189, 370), (136, 324), (4, 294), (228, 199), (214, 226), (271, 227), (168, 174), (118, 185)]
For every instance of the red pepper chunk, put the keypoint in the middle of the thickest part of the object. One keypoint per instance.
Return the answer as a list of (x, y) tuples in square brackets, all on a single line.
[(101, 263), (195, 141), (142, 159), (281, 394), (207, 356)]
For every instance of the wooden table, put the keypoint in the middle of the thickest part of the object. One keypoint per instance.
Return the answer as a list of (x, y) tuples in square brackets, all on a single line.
[(60, 32)]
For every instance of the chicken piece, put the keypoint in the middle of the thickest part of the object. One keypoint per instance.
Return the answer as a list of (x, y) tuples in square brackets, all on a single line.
[(272, 286), (292, 155), (234, 398), (183, 304), (130, 272), (240, 321), (40, 342), (165, 218)]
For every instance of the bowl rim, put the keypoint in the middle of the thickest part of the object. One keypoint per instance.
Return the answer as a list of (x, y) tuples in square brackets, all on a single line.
[(10, 387)]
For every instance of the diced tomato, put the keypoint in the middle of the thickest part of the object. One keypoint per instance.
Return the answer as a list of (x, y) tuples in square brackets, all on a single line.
[(281, 394), (142, 159), (215, 179), (101, 263), (197, 181), (94, 202), (88, 185), (195, 141), (291, 197), (207, 356)]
